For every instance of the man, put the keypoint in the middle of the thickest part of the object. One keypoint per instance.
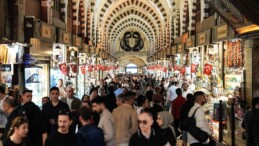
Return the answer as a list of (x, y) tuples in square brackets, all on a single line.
[(119, 90), (51, 110), (166, 84), (191, 86), (37, 134), (250, 124), (176, 107), (125, 120), (62, 137), (74, 105), (185, 90), (147, 136), (110, 99), (120, 100), (171, 95), (199, 101), (106, 122), (62, 89), (89, 134), (3, 117)]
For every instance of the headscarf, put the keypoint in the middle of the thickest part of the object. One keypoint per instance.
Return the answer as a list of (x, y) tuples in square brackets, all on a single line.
[(167, 119)]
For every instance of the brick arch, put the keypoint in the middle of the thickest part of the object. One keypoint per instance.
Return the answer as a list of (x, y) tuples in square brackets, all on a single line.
[(130, 12), (108, 4), (136, 20)]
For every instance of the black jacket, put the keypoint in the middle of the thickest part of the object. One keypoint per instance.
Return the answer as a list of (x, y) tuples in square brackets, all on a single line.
[(250, 123), (37, 125)]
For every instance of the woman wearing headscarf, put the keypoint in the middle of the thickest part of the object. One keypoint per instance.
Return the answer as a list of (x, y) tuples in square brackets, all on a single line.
[(164, 121)]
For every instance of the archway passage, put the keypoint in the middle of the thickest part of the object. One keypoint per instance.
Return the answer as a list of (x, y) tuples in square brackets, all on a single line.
[(131, 68)]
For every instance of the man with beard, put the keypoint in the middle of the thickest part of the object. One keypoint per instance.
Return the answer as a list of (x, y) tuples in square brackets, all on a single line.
[(106, 122), (185, 89), (62, 137), (37, 134), (199, 101)]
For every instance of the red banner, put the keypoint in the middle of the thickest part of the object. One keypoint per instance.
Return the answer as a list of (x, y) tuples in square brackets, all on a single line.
[(193, 68), (175, 68), (63, 68), (83, 70), (182, 70), (207, 69)]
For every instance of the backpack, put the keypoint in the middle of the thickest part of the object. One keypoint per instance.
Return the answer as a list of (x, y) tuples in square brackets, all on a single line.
[(189, 124)]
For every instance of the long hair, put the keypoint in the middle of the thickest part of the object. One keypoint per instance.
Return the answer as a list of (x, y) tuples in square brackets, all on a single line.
[(17, 122)]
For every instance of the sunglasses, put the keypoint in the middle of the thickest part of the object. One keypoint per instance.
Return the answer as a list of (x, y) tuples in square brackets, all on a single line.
[(144, 122)]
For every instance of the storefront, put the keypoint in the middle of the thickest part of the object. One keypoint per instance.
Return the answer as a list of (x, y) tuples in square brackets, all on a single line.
[(193, 57), (37, 62), (231, 75), (61, 69), (10, 65)]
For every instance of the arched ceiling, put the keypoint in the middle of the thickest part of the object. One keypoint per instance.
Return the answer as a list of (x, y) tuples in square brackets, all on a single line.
[(148, 17), (124, 61)]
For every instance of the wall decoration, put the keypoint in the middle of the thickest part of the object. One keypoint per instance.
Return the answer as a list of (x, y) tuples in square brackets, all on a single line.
[(132, 41)]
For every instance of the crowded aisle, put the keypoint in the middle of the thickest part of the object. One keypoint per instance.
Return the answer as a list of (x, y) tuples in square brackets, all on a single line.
[(129, 72)]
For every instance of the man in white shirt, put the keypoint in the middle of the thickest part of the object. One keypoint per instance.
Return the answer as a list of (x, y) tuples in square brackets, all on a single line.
[(171, 94), (185, 89), (191, 86), (199, 116)]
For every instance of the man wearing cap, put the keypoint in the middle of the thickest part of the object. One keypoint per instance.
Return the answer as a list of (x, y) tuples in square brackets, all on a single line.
[(125, 120)]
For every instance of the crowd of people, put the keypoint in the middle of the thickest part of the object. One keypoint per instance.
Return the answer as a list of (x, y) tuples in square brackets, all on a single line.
[(128, 110)]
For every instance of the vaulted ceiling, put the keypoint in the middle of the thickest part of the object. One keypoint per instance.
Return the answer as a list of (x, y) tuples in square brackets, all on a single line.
[(115, 17)]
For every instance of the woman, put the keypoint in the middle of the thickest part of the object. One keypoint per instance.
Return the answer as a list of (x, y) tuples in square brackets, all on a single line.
[(164, 121), (17, 133), (146, 135)]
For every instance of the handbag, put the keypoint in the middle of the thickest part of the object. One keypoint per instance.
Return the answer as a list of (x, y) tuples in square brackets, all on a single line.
[(189, 124)]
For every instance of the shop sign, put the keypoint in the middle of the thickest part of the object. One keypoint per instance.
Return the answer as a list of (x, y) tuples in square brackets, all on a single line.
[(174, 50), (180, 48), (78, 42), (222, 32), (189, 42), (202, 38), (66, 38), (46, 31)]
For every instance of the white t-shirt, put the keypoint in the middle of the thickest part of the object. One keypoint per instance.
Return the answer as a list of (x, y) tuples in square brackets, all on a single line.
[(69, 102), (171, 93), (184, 93)]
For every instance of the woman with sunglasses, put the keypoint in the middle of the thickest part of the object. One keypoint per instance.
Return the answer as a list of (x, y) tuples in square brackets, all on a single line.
[(146, 135), (164, 121), (17, 133)]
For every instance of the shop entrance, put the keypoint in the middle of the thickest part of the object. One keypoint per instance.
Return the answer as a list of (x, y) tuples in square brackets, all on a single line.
[(131, 69)]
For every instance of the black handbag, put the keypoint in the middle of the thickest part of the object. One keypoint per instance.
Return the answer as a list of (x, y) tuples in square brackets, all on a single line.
[(189, 124)]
